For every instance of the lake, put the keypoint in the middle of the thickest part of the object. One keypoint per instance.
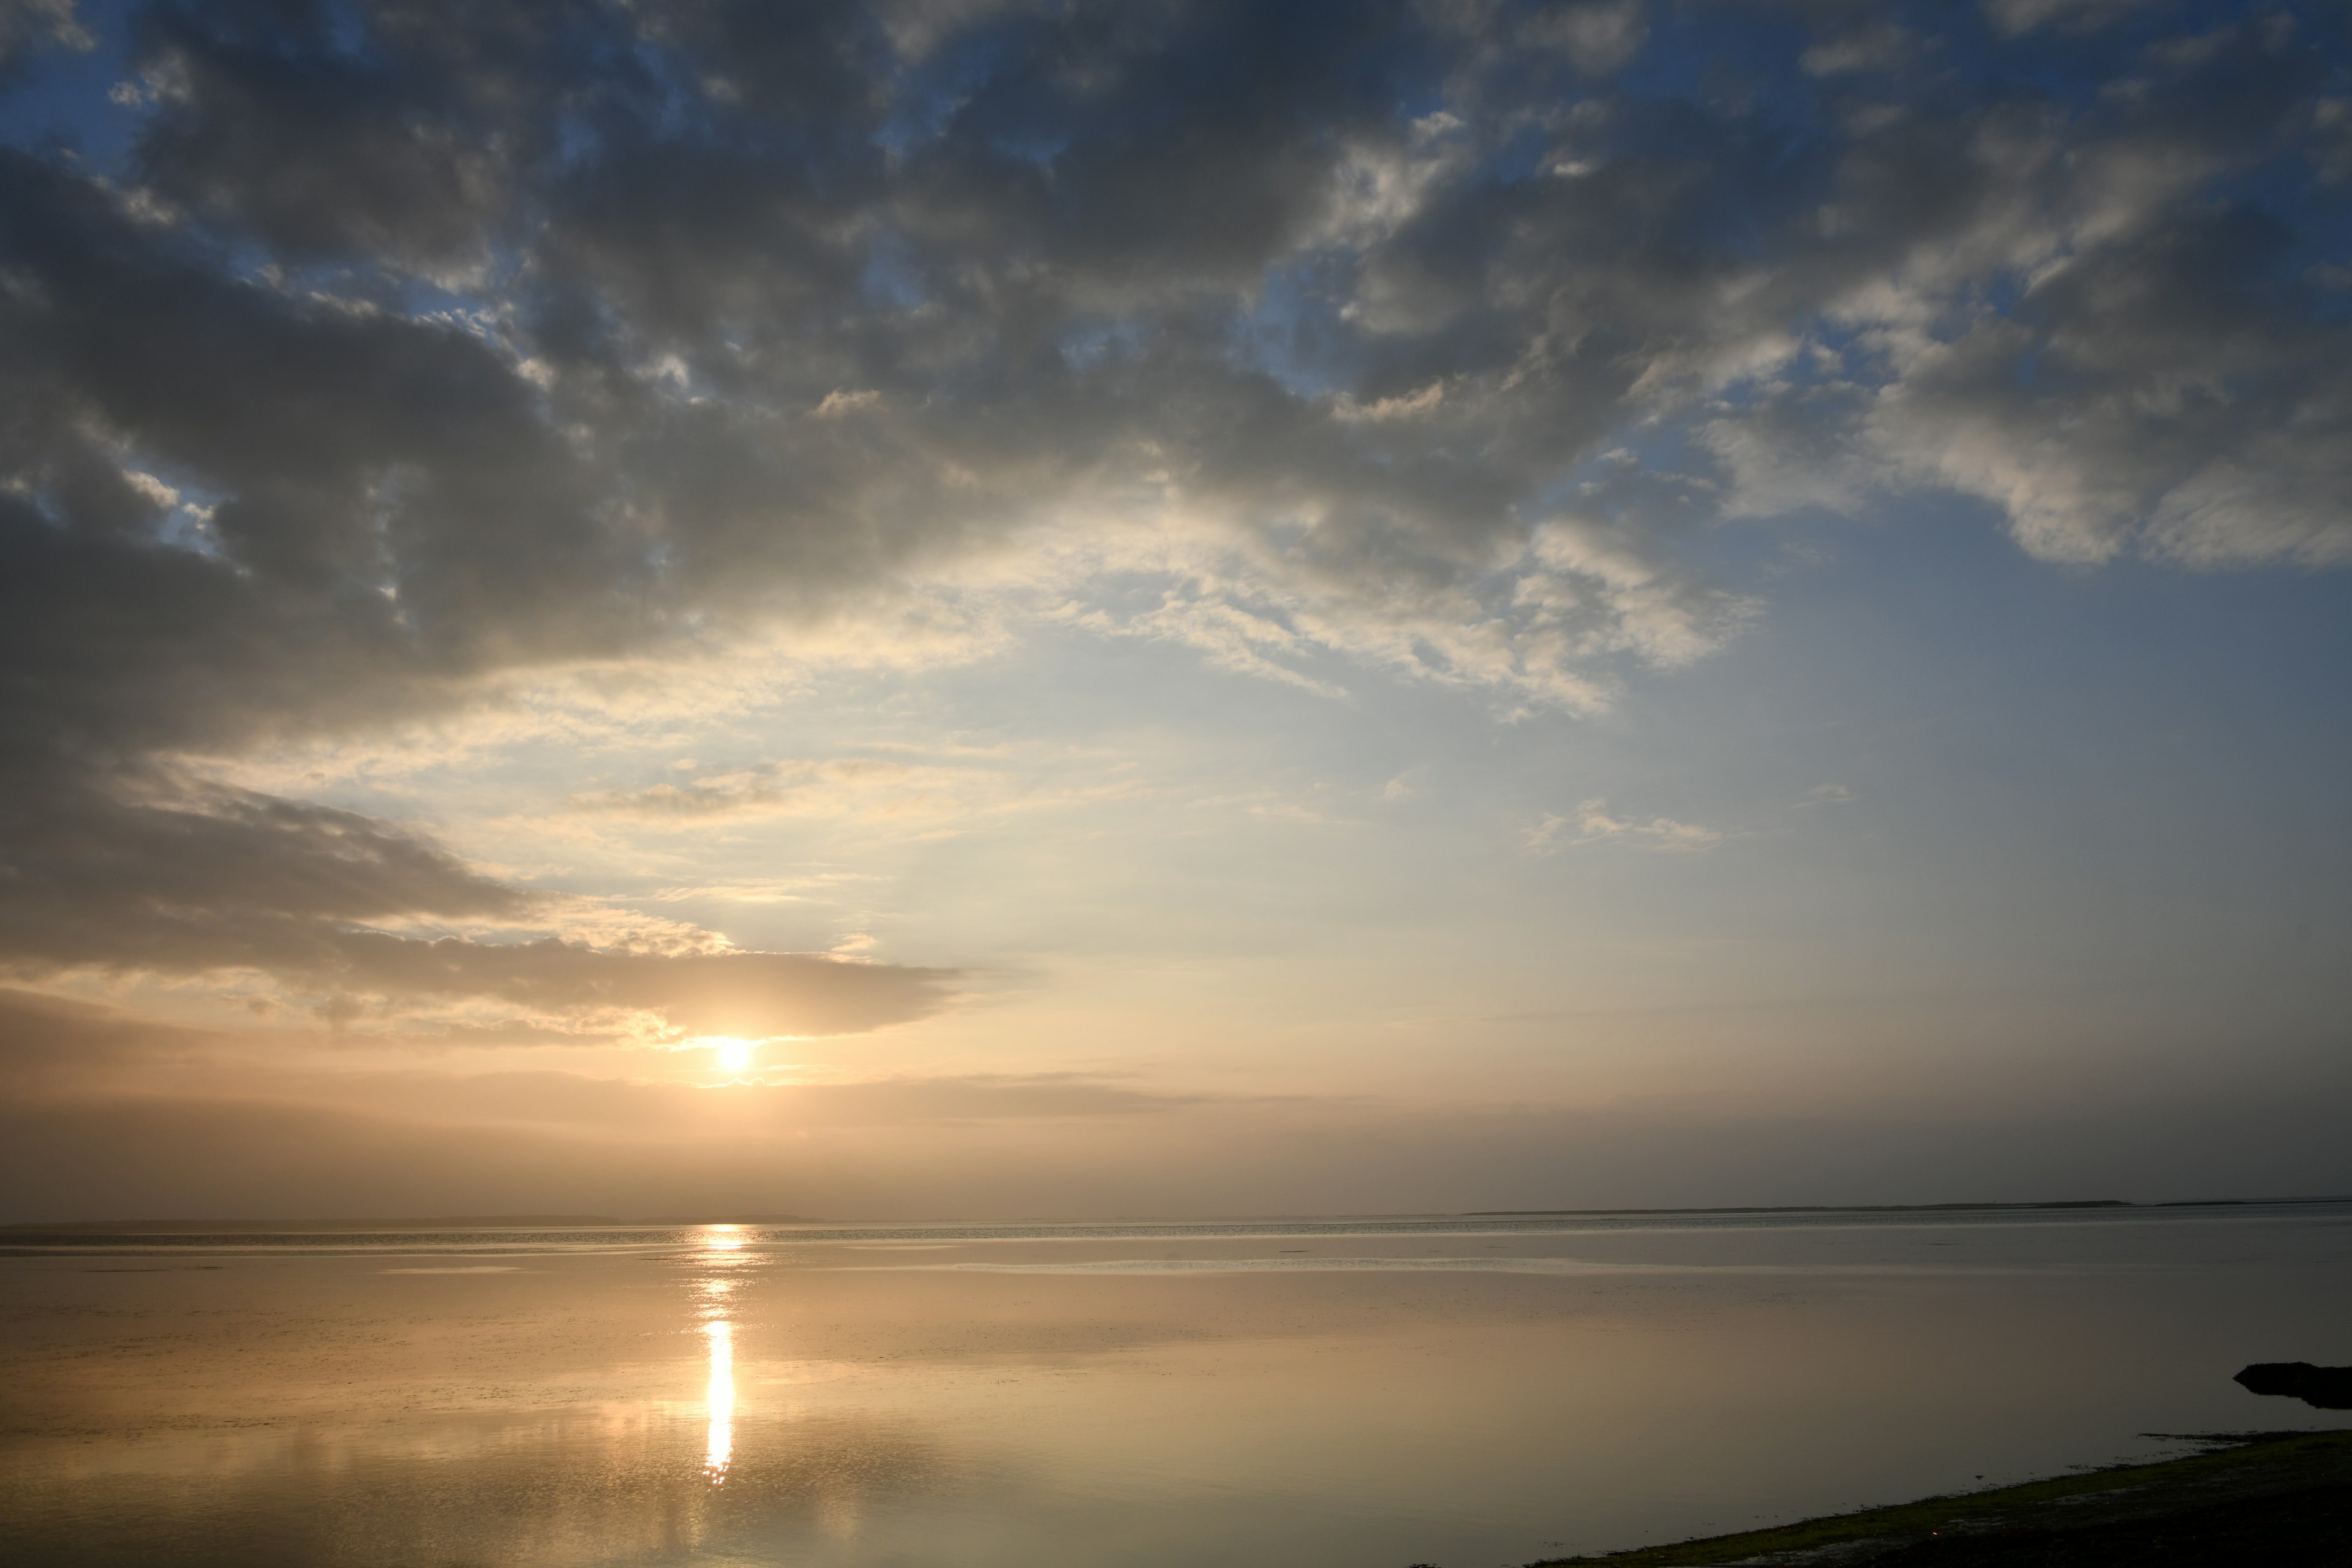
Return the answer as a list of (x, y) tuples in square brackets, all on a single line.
[(1369, 1392)]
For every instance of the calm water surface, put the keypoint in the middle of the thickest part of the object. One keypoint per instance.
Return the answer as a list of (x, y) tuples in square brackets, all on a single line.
[(1363, 1394)]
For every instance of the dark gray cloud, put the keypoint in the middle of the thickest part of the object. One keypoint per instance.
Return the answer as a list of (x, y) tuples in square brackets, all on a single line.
[(29, 27), (411, 344), (211, 878), (725, 993), (2011, 17)]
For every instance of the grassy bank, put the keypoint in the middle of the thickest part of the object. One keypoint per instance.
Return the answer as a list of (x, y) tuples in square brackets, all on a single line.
[(2278, 1498)]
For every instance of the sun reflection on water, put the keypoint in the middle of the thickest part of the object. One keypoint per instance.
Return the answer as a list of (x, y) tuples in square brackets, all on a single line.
[(720, 1446), (721, 1242)]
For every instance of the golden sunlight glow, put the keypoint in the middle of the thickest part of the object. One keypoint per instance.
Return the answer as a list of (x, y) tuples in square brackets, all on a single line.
[(721, 1244), (719, 1396), (734, 1055)]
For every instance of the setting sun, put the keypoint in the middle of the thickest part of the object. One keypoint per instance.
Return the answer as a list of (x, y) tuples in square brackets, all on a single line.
[(734, 1056)]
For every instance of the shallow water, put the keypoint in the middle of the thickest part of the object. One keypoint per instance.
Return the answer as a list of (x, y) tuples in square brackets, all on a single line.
[(1369, 1394)]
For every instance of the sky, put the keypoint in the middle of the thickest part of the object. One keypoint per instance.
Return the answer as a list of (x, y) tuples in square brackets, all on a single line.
[(952, 608)]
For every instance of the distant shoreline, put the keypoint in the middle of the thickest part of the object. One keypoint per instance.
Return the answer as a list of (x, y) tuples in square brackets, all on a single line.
[(352, 1224), (1918, 1208)]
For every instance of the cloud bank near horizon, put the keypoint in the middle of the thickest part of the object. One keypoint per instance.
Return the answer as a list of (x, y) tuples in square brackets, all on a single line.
[(105, 1114)]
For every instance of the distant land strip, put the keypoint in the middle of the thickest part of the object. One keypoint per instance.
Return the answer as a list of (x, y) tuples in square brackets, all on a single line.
[(424, 1221), (590, 1221), (1916, 1209)]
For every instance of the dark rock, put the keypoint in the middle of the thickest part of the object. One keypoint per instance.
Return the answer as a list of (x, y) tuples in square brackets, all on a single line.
[(2321, 1387), (2274, 1376)]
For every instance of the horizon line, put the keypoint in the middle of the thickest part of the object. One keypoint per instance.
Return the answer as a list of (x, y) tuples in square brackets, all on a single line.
[(329, 1223)]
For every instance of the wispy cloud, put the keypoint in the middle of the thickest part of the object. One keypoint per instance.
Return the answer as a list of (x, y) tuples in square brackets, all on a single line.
[(925, 797), (1592, 823)]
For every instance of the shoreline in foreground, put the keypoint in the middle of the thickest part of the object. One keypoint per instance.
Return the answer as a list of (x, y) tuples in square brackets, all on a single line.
[(2273, 1497)]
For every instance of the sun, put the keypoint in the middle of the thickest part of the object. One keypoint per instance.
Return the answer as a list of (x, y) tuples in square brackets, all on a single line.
[(734, 1055)]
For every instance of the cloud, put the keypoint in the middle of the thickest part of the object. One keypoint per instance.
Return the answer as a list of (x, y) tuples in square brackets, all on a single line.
[(925, 797), (184, 877), (1600, 35), (839, 403), (2121, 404), (212, 879), (1592, 824), (569, 1099), (1874, 47), (102, 1114), (720, 992), (2012, 17), (411, 358), (28, 26), (804, 787)]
